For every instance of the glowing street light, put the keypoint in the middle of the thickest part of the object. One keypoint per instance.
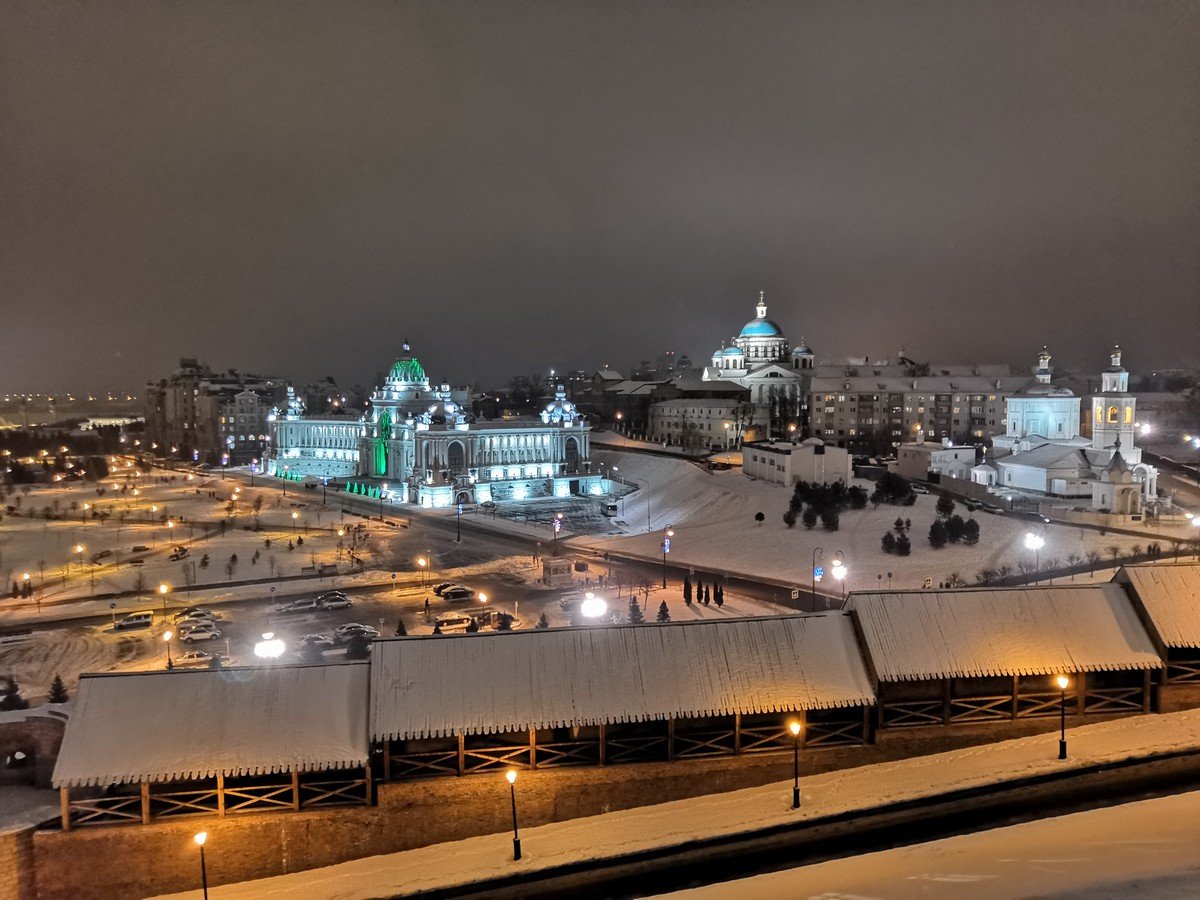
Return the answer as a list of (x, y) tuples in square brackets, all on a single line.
[(511, 777), (270, 647), (1035, 542), (839, 572), (200, 837), (1063, 682), (295, 516), (422, 564), (79, 551), (167, 635), (483, 598), (666, 548), (592, 607), (795, 727)]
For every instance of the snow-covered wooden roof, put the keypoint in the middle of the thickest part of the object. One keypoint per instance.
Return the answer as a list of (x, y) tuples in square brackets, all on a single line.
[(483, 683), (165, 726), (1017, 631), (1170, 594)]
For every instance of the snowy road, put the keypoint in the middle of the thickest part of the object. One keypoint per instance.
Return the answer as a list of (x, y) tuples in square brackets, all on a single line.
[(1149, 849)]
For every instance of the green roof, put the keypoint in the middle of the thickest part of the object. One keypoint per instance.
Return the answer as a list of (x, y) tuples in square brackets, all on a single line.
[(408, 370)]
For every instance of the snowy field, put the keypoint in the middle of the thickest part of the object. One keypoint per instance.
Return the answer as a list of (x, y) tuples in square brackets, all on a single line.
[(712, 515), (1146, 849), (46, 548), (680, 822)]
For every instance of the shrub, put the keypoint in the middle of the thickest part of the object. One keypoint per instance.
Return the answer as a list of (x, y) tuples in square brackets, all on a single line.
[(809, 517), (970, 533), (789, 518), (830, 520), (903, 545), (945, 506), (889, 542), (955, 528), (938, 534)]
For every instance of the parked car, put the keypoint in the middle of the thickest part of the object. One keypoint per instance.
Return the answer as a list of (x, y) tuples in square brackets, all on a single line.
[(103, 554), (919, 489), (190, 610), (343, 633), (299, 606), (320, 641), (141, 548), (994, 510), (204, 632), (333, 601), (192, 624), (450, 623), (193, 658), (196, 618), (443, 586), (135, 620), (179, 553), (458, 593), (1033, 517)]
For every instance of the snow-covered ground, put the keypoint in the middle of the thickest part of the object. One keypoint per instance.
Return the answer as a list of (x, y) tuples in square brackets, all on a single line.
[(712, 514), (678, 823), (1145, 849)]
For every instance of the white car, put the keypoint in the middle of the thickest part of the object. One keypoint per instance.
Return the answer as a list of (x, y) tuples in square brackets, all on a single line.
[(196, 619), (343, 633), (193, 658), (919, 489), (320, 641), (199, 633), (298, 606), (340, 601)]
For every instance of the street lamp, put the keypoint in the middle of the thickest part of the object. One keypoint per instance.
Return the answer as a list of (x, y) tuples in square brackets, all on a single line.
[(295, 516), (270, 647), (511, 776), (592, 607), (79, 550), (840, 572), (818, 553), (1035, 542), (558, 519), (1063, 683), (200, 837), (794, 727), (666, 548), (458, 524), (422, 563), (167, 635)]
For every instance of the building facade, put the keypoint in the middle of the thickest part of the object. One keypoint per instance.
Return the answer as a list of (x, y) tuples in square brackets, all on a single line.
[(1043, 453), (419, 444), (786, 462)]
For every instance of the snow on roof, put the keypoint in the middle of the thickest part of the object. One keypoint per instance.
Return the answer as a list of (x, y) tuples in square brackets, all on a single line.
[(1170, 594), (165, 726), (1049, 456), (1020, 631), (482, 683)]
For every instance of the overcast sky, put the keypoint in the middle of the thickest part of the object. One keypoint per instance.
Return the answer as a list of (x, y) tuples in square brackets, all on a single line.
[(297, 187)]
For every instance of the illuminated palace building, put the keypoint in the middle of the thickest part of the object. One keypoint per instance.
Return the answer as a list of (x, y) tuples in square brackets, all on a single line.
[(420, 444)]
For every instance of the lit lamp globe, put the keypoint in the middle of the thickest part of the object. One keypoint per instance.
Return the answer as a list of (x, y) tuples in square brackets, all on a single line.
[(270, 647), (593, 607)]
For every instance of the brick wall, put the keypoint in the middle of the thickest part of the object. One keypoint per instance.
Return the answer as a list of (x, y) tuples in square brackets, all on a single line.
[(37, 736), (16, 860), (123, 861)]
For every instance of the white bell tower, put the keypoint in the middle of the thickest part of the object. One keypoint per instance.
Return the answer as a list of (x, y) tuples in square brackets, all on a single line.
[(1113, 411)]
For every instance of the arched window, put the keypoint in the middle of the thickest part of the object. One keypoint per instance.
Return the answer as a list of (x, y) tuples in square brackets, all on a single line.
[(1129, 415), (1113, 415)]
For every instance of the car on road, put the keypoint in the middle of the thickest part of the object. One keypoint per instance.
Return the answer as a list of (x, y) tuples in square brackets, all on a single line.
[(458, 593), (453, 622), (204, 632), (299, 606), (994, 510), (320, 641), (1033, 517), (179, 553), (103, 554), (343, 633), (193, 658), (918, 489), (135, 620), (443, 586), (333, 600), (141, 548)]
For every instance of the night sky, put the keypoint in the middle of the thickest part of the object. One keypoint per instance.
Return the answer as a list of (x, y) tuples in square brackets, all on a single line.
[(297, 187)]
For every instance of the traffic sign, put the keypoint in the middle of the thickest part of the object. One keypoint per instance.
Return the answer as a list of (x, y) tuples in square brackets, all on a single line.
[(795, 594)]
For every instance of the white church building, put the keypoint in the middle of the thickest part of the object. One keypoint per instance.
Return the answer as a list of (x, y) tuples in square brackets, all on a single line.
[(1043, 453)]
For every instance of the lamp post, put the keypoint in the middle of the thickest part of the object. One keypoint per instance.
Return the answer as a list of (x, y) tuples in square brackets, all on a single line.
[(382, 491), (1035, 542), (511, 776), (458, 523), (79, 550), (167, 635), (295, 516), (558, 519), (818, 553), (666, 548), (794, 727), (200, 837), (422, 563), (1063, 683), (840, 572), (163, 590)]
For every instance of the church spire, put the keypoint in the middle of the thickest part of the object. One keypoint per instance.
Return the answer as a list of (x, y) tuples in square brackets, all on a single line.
[(1042, 372), (761, 309)]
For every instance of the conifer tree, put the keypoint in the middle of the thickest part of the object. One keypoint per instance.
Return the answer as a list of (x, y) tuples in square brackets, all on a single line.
[(664, 614), (58, 691), (635, 612)]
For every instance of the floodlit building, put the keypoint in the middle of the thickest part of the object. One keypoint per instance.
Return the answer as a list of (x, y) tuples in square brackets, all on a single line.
[(917, 461), (419, 443), (786, 462), (1043, 453)]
